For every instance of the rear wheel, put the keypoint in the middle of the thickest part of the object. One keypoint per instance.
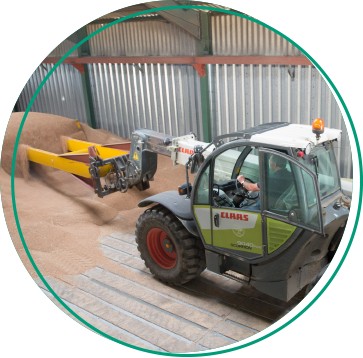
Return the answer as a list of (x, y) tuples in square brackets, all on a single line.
[(172, 254)]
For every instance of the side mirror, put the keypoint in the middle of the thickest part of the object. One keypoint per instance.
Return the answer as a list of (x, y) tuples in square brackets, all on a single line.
[(197, 161)]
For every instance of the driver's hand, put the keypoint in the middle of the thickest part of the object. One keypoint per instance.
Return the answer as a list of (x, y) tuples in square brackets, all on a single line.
[(241, 178)]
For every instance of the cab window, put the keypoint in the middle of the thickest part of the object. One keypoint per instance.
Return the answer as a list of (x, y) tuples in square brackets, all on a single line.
[(289, 190), (227, 192), (281, 194), (327, 169), (225, 163), (250, 167), (202, 194)]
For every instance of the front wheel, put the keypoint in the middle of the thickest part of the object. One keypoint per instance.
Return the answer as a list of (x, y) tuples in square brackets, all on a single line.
[(171, 253)]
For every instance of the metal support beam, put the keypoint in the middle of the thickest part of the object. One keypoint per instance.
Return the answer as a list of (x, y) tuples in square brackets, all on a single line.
[(200, 69), (205, 49), (79, 67), (189, 60), (206, 117), (87, 94), (182, 60), (254, 60), (84, 50), (206, 43)]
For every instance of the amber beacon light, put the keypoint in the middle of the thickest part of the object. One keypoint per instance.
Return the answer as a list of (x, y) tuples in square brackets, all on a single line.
[(318, 127)]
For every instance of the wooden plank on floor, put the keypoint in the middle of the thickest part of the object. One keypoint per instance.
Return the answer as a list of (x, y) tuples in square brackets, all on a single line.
[(104, 327), (129, 238), (119, 245), (211, 340), (214, 286), (224, 290), (146, 312), (263, 309), (61, 307), (199, 286), (180, 293), (275, 301), (212, 290), (155, 299), (136, 264), (126, 301), (232, 331), (119, 319), (66, 292), (249, 320), (114, 255)]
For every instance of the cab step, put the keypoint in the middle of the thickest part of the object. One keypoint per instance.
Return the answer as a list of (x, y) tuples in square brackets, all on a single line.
[(236, 276)]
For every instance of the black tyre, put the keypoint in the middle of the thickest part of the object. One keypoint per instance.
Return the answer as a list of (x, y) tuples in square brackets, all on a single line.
[(172, 254)]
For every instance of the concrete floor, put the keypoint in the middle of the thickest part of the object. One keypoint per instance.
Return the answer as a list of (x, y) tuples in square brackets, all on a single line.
[(131, 305)]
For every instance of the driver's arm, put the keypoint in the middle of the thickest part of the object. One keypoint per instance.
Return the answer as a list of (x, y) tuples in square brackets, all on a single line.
[(247, 185)]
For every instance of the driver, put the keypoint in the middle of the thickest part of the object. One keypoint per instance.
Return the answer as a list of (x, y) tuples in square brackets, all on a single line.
[(277, 182), (250, 187)]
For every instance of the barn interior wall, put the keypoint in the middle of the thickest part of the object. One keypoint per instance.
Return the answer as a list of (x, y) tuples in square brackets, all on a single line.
[(167, 97)]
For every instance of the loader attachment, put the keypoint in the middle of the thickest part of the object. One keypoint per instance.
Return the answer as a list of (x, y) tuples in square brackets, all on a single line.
[(120, 165), (88, 162)]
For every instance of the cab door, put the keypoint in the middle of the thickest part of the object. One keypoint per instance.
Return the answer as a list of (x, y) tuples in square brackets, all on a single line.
[(236, 230), (290, 198)]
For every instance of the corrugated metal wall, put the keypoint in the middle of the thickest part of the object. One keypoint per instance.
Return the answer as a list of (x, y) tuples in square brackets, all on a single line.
[(144, 38), (167, 97), (164, 98), (236, 36), (61, 95), (244, 96)]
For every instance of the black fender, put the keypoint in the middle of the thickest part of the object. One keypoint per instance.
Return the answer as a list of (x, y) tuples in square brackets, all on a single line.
[(179, 205)]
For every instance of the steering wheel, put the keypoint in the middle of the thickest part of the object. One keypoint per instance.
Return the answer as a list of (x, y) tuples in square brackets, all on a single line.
[(245, 192), (240, 186)]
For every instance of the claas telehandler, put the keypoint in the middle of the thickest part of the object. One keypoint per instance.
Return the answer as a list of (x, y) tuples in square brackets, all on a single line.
[(278, 238)]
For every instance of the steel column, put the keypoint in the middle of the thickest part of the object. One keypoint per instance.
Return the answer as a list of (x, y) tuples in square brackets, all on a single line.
[(205, 49), (84, 50)]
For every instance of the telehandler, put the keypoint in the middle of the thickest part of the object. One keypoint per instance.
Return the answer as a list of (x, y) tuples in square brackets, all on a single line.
[(278, 239)]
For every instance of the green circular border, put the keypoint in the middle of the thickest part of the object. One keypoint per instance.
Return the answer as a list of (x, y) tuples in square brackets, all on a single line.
[(16, 149)]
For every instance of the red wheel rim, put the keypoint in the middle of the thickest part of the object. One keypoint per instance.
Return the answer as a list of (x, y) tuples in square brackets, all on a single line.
[(158, 242)]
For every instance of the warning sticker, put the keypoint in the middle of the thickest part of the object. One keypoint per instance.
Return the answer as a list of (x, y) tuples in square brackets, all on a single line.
[(136, 157)]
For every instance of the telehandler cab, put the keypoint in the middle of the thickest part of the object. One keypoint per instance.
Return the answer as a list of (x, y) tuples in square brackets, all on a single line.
[(278, 239)]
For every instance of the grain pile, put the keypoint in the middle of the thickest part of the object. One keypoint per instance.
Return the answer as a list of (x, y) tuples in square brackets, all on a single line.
[(61, 219)]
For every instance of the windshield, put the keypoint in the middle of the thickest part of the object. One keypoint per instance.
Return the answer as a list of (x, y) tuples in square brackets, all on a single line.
[(327, 169)]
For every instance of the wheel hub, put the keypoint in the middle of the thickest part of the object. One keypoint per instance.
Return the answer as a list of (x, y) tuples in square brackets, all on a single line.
[(167, 245), (161, 248)]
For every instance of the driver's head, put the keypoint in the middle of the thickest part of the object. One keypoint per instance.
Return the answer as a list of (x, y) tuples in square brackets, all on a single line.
[(277, 163)]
